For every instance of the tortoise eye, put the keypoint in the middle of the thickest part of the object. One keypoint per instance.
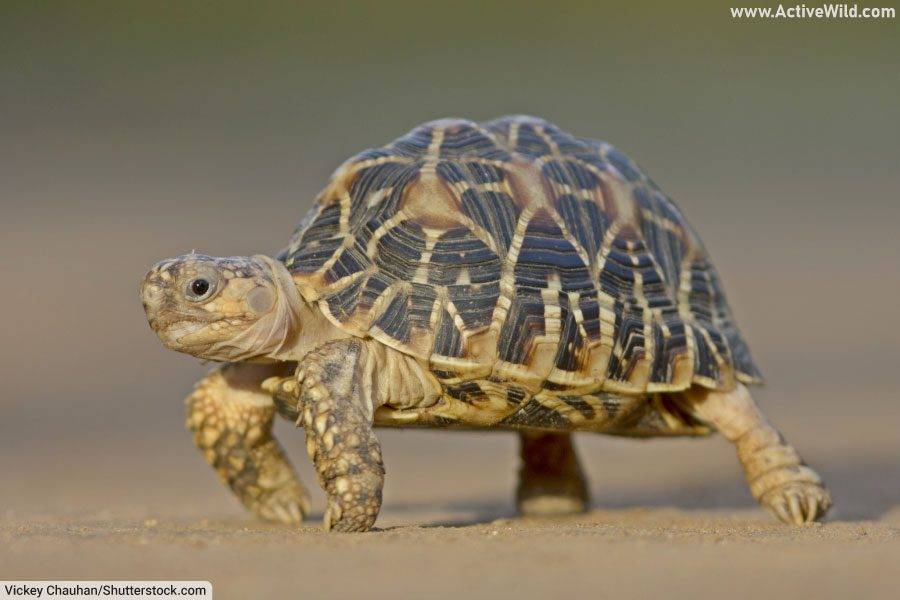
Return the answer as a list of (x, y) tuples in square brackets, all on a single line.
[(199, 289), (200, 286)]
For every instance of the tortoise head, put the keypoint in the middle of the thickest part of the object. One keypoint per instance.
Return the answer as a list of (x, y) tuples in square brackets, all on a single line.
[(224, 309)]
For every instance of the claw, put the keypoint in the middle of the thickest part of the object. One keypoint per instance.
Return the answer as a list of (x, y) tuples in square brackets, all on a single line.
[(798, 503), (289, 511), (796, 511), (282, 513), (266, 513), (296, 513), (333, 514), (781, 511), (813, 508), (305, 505)]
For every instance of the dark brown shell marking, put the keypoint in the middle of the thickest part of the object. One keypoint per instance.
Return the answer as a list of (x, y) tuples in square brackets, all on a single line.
[(514, 251)]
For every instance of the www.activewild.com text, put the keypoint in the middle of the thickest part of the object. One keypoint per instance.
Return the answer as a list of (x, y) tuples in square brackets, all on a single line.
[(825, 11)]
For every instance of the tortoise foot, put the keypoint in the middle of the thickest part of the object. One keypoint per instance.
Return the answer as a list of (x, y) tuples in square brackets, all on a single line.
[(544, 503), (798, 502), (355, 508), (287, 505), (551, 483)]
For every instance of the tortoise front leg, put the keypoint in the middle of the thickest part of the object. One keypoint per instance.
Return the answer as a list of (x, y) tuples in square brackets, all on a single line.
[(778, 477), (231, 418), (551, 482), (339, 437)]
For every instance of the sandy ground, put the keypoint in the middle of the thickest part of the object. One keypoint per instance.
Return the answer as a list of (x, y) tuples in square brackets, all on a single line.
[(671, 517), (627, 553)]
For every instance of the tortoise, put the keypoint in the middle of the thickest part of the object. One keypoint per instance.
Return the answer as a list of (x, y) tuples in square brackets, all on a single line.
[(503, 275)]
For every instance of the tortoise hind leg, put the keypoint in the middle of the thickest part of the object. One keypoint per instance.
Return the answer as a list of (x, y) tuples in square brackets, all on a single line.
[(551, 482), (777, 476)]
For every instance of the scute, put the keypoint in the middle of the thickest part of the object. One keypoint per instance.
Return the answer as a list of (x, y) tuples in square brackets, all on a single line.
[(514, 251)]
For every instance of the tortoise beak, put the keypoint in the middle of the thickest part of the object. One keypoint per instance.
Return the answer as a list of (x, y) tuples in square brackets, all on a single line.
[(153, 297)]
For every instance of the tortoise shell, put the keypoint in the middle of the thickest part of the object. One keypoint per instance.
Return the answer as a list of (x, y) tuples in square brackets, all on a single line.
[(512, 251)]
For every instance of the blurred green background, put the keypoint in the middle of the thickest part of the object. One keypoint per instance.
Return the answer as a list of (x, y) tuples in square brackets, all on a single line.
[(134, 131)]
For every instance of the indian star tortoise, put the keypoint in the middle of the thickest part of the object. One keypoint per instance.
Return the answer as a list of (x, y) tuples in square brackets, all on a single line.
[(501, 275)]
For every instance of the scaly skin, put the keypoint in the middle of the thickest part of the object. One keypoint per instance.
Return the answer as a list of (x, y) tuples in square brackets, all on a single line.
[(250, 309), (339, 436), (231, 419), (778, 478), (551, 482)]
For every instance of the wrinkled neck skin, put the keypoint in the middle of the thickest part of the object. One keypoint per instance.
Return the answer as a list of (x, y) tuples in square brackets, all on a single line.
[(287, 332), (295, 327)]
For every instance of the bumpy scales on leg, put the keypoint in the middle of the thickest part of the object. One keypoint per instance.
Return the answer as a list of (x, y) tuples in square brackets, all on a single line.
[(550, 479), (339, 437), (231, 418), (778, 478)]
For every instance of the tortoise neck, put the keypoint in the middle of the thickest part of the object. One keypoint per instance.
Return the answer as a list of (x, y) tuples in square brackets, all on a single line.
[(301, 326)]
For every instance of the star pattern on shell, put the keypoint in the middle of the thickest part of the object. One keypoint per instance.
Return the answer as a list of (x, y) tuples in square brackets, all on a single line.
[(512, 251)]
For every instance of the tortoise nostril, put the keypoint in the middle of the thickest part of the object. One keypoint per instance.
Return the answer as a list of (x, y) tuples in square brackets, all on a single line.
[(152, 295)]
